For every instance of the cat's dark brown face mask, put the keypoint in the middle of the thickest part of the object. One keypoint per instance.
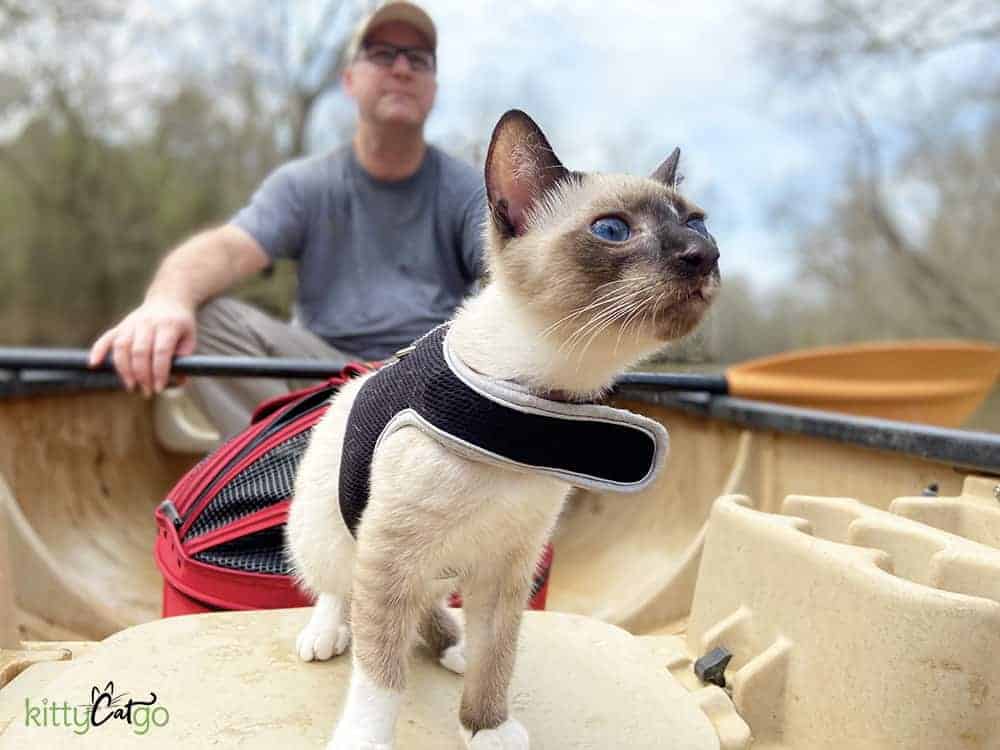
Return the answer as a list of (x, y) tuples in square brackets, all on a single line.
[(607, 253)]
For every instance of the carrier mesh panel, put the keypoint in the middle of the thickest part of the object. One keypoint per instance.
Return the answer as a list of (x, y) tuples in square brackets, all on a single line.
[(266, 481), (260, 552)]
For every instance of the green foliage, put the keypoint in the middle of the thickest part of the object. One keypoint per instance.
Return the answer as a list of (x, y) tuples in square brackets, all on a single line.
[(87, 216)]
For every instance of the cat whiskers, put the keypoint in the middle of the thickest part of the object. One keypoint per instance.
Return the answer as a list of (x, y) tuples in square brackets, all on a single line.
[(656, 308), (621, 305), (641, 310), (607, 298), (624, 311)]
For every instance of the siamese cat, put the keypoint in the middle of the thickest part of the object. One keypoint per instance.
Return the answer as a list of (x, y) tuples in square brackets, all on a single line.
[(589, 273)]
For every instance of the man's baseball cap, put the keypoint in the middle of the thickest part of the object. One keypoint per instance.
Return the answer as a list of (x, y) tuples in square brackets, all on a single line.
[(403, 11)]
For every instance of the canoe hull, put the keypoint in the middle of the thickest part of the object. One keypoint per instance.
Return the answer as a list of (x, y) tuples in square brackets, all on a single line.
[(85, 474)]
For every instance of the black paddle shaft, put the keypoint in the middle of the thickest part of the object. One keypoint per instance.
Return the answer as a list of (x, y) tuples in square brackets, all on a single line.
[(21, 358)]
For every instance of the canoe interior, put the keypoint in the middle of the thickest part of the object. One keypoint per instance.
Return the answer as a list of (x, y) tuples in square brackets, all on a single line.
[(85, 474), (858, 611)]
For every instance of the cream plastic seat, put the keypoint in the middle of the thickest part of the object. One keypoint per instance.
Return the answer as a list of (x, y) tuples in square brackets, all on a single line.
[(231, 680), (180, 426), (850, 626)]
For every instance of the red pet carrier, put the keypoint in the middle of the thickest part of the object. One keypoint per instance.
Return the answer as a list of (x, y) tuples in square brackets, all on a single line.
[(220, 540)]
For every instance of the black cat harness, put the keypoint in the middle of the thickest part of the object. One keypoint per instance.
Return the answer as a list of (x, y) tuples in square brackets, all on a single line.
[(497, 421)]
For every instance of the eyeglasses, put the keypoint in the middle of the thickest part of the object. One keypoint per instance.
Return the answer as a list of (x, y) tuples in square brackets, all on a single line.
[(384, 55)]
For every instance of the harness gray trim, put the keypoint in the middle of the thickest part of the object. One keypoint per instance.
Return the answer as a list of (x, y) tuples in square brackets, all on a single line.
[(515, 396)]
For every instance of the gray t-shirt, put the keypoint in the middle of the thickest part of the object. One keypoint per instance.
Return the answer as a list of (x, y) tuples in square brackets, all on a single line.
[(379, 263)]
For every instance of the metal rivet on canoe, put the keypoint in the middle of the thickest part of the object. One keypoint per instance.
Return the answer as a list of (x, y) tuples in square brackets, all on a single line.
[(996, 491), (931, 490), (711, 667)]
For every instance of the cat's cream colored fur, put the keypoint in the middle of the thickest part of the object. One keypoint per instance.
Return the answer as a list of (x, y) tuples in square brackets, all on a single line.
[(436, 521)]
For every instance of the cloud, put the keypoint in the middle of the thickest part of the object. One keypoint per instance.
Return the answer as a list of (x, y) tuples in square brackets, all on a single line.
[(616, 87)]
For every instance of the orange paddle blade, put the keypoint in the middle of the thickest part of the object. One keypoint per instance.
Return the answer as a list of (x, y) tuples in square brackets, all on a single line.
[(933, 382)]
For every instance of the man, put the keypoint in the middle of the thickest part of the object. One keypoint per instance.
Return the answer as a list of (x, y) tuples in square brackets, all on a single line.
[(386, 233)]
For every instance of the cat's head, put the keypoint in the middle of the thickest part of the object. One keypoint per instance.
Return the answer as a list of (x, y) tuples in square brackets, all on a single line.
[(603, 254)]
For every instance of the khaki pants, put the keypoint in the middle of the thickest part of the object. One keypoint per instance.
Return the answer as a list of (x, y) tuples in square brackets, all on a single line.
[(230, 327)]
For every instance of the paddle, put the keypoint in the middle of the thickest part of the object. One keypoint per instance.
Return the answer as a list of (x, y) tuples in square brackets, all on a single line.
[(933, 382)]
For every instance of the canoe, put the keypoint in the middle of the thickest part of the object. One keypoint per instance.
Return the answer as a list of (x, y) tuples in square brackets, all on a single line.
[(844, 566)]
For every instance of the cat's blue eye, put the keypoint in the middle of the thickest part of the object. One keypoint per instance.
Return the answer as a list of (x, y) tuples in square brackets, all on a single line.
[(611, 229), (698, 225)]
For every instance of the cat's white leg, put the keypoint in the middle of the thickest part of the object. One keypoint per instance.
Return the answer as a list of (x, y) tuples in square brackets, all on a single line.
[(386, 605), (319, 545), (322, 568), (369, 717), (328, 632)]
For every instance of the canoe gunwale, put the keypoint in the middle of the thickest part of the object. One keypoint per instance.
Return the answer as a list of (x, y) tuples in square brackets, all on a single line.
[(979, 451), (50, 382)]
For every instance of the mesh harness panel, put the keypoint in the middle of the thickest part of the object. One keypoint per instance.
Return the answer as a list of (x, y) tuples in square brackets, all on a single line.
[(422, 382)]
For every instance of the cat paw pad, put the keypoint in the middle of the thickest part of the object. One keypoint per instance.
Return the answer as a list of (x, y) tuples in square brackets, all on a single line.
[(511, 735)]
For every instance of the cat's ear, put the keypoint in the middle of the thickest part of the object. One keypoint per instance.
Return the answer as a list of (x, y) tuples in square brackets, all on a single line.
[(520, 167), (667, 172)]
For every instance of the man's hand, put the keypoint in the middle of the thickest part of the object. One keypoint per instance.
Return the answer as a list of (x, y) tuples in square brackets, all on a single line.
[(144, 343)]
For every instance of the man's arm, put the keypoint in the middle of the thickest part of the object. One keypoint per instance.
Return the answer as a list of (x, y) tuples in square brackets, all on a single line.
[(144, 343)]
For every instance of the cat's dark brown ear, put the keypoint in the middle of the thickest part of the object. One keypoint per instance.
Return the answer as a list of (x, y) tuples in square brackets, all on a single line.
[(667, 172), (520, 167)]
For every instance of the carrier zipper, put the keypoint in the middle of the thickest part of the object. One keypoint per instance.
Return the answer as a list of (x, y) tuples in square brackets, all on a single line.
[(260, 444), (301, 408), (168, 509)]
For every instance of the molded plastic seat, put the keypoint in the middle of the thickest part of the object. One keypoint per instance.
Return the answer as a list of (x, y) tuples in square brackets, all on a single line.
[(231, 680)]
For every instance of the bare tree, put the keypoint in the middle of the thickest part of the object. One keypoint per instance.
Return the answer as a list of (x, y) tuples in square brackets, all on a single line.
[(883, 267), (295, 57), (811, 38)]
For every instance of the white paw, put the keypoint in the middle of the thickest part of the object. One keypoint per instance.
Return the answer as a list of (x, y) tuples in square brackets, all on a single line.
[(317, 643), (345, 738), (453, 658), (511, 735), (326, 635)]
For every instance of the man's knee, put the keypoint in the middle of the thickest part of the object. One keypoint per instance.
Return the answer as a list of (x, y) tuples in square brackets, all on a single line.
[(221, 312), (226, 325)]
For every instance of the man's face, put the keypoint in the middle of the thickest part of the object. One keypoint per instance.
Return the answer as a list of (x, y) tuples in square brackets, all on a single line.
[(394, 95)]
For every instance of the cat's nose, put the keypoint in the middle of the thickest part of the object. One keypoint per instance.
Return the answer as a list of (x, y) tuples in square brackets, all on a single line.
[(699, 258)]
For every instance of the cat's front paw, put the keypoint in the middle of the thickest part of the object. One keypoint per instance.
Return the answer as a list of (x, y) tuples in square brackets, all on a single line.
[(318, 644), (323, 638), (511, 735)]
